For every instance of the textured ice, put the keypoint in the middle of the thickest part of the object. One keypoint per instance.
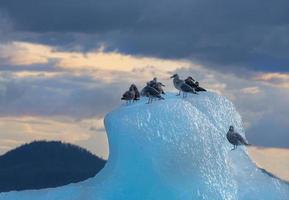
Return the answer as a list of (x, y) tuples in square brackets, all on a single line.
[(173, 149)]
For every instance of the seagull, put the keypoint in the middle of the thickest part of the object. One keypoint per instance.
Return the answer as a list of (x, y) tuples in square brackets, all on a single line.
[(157, 85), (153, 82), (129, 95), (235, 138), (198, 88), (191, 82), (182, 86), (151, 93), (137, 94), (159, 88), (194, 84)]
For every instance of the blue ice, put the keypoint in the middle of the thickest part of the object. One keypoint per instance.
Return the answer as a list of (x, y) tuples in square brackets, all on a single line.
[(172, 149)]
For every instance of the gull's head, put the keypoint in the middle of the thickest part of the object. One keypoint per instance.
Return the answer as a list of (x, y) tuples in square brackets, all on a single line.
[(175, 76), (231, 128), (191, 78)]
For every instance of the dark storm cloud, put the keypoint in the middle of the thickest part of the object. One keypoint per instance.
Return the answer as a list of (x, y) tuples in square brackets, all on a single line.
[(5, 26), (72, 15), (248, 34)]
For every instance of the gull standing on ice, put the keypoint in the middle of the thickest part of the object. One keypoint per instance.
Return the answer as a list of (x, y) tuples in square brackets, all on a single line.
[(137, 94), (157, 85), (129, 95), (182, 86), (235, 138), (151, 93)]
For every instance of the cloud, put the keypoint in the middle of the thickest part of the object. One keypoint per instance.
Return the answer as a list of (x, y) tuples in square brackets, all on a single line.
[(272, 76), (5, 26), (75, 84), (280, 80), (250, 90), (23, 53), (270, 130), (266, 115), (268, 158), (229, 36), (61, 95), (18, 53), (19, 130), (80, 93)]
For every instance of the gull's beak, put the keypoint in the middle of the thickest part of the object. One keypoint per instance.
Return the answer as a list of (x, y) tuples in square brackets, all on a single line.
[(172, 76)]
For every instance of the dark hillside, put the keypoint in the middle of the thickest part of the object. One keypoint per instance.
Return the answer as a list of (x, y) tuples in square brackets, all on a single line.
[(43, 164)]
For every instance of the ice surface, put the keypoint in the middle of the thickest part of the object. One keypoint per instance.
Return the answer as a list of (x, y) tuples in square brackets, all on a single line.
[(173, 149)]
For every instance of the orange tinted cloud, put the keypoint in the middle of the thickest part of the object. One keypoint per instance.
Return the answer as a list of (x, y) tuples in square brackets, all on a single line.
[(271, 76), (280, 80), (251, 90), (24, 53), (274, 160)]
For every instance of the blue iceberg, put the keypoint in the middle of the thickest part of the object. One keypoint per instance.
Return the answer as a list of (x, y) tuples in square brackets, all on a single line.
[(172, 149)]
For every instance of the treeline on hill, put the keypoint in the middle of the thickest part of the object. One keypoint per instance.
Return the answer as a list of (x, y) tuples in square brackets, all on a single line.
[(43, 164)]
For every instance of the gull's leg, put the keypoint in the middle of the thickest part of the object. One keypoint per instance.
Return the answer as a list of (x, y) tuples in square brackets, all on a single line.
[(179, 93), (148, 101), (194, 91)]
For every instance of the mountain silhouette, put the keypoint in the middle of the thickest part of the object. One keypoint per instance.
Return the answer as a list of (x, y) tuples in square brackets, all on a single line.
[(43, 164)]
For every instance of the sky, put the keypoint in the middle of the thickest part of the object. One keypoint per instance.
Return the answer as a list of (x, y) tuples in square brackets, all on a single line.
[(65, 63), (274, 160)]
